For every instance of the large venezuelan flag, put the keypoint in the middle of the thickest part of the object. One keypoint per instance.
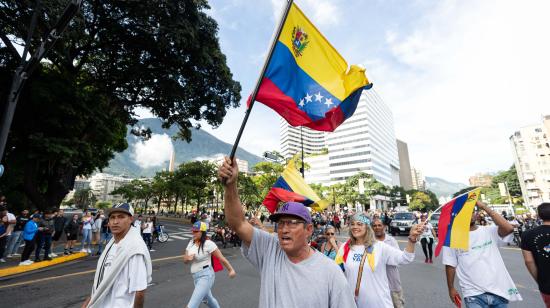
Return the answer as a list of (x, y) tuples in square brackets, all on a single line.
[(307, 81), (290, 186), (454, 222)]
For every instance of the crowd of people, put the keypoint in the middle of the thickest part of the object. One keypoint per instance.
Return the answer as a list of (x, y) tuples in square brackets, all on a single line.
[(304, 250), (42, 232), (367, 275)]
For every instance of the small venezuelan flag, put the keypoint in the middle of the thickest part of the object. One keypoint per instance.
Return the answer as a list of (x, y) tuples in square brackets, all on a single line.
[(454, 221), (290, 186), (307, 81)]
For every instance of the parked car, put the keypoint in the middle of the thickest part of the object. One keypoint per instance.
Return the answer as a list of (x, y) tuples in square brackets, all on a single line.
[(402, 223)]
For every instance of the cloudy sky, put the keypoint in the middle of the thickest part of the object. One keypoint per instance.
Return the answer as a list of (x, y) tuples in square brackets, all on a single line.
[(459, 76)]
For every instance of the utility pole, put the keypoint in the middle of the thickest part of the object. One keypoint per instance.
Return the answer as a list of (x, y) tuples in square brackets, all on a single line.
[(27, 67)]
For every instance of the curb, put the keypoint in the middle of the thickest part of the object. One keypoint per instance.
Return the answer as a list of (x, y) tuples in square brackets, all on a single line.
[(38, 265)]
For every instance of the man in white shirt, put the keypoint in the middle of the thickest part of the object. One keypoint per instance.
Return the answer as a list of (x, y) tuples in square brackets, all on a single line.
[(392, 272), (124, 267), (482, 275)]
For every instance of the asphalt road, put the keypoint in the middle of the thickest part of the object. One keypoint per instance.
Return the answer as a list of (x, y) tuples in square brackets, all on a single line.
[(68, 285)]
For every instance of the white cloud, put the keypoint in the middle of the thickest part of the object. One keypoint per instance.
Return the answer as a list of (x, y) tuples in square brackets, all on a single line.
[(463, 80), (153, 152), (320, 12)]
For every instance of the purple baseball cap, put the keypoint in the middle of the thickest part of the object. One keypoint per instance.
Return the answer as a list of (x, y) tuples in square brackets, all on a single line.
[(295, 209)]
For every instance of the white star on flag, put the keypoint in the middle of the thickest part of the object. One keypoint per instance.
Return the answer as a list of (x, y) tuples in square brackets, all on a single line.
[(301, 103), (328, 102), (308, 98), (318, 97)]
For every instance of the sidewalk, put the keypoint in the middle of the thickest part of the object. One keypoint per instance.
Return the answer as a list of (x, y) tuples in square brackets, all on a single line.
[(11, 267)]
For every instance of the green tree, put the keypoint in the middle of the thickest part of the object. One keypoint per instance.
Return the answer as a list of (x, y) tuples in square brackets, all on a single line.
[(128, 191), (249, 191), (159, 187), (421, 201), (114, 57), (371, 187), (202, 175), (84, 198), (510, 177), (267, 174), (103, 205)]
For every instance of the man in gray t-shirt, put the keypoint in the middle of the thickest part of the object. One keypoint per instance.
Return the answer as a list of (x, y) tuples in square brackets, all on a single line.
[(292, 274)]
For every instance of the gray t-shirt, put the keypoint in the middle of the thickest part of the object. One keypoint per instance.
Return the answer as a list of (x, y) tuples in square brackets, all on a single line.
[(315, 282), (391, 271)]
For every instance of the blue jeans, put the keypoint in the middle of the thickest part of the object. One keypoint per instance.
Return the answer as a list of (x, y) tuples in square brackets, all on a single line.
[(485, 300), (46, 242), (15, 242), (148, 240), (105, 237), (204, 281), (86, 237)]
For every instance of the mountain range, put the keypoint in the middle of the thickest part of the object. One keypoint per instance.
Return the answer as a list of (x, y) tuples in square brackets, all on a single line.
[(443, 188), (203, 146)]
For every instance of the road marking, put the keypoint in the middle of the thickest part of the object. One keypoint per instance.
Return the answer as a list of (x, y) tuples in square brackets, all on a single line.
[(179, 237), (71, 275)]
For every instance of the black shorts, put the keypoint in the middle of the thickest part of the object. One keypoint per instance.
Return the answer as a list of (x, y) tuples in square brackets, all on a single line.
[(57, 235), (72, 237)]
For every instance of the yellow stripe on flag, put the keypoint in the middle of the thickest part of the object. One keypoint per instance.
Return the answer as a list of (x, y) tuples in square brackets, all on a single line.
[(294, 179), (320, 60), (461, 225)]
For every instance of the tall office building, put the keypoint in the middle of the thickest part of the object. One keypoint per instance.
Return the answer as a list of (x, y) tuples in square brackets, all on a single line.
[(418, 180), (314, 141), (365, 143), (405, 176), (102, 184), (531, 149)]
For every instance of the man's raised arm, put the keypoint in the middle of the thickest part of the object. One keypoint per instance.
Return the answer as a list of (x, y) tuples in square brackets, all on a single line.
[(228, 174)]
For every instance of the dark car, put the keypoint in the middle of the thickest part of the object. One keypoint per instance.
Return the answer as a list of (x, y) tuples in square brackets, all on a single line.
[(402, 223), (434, 220)]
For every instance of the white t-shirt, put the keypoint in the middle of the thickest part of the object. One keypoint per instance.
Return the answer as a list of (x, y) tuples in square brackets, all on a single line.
[(202, 257), (374, 291), (10, 218), (148, 227), (132, 278), (137, 223), (427, 233), (480, 269)]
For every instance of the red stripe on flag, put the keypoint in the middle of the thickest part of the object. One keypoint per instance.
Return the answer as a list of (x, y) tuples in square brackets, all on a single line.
[(270, 95), (333, 118), (277, 195), (443, 225)]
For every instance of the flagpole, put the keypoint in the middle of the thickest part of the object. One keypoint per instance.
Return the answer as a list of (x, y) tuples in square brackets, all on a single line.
[(260, 77), (302, 170)]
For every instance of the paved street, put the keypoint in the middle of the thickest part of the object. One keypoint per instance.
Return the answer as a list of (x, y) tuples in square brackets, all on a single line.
[(67, 285)]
